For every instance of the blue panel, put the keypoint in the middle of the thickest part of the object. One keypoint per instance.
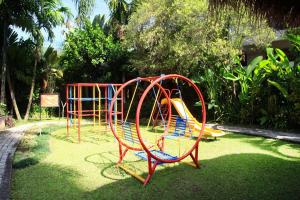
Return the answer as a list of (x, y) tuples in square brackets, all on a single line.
[(160, 154), (179, 127), (128, 134)]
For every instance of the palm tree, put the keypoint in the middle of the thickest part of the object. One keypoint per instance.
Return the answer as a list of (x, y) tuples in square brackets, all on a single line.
[(118, 16), (101, 22), (17, 13), (11, 41), (84, 8), (119, 10), (49, 14), (50, 69)]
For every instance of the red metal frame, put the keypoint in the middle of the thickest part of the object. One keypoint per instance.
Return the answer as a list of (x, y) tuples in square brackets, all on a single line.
[(194, 148), (155, 81), (121, 89), (166, 77)]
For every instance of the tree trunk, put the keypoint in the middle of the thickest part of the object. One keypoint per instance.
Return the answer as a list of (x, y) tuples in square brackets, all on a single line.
[(12, 96), (32, 84), (123, 77), (3, 73), (234, 88)]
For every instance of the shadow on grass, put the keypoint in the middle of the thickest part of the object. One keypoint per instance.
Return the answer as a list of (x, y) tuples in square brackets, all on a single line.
[(237, 176), (106, 163), (46, 181), (89, 136), (269, 144), (34, 147)]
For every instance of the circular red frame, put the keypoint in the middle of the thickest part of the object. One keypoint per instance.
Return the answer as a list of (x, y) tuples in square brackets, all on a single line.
[(156, 81), (149, 79)]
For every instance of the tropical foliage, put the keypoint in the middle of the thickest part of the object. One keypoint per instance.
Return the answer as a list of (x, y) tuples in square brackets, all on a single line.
[(167, 35), (91, 49), (272, 82), (33, 17)]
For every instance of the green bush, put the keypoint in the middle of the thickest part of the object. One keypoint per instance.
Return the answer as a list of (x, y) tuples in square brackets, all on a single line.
[(3, 109), (90, 55)]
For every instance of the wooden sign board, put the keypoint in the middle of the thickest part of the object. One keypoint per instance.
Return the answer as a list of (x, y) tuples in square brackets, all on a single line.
[(49, 100)]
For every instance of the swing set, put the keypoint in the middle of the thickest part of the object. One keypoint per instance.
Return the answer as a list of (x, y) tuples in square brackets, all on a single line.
[(156, 148)]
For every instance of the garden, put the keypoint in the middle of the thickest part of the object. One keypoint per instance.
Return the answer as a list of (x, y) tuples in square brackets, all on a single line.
[(104, 94)]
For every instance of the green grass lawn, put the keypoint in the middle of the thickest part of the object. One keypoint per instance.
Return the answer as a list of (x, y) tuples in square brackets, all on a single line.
[(32, 120), (233, 167)]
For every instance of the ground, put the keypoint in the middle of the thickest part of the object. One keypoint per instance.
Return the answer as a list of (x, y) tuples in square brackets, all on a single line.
[(233, 167)]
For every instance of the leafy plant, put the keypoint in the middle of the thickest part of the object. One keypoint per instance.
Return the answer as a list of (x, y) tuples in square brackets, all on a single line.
[(91, 49), (182, 37), (269, 82), (249, 83), (3, 109)]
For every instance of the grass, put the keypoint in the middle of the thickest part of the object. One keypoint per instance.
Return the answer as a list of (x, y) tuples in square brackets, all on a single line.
[(33, 147), (24, 122), (233, 167)]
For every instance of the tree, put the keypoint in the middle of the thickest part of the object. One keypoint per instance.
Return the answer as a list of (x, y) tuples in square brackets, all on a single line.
[(49, 14), (101, 22), (20, 59), (19, 14), (181, 36), (84, 8), (90, 49), (12, 41), (50, 69), (119, 10)]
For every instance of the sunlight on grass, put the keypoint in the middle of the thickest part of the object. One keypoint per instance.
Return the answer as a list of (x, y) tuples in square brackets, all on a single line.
[(233, 167)]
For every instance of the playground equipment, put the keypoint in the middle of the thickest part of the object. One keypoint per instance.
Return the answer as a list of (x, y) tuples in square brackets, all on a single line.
[(91, 100), (154, 147), (186, 115)]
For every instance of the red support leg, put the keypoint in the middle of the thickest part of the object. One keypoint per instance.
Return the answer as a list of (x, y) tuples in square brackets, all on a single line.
[(151, 169), (195, 157), (121, 153)]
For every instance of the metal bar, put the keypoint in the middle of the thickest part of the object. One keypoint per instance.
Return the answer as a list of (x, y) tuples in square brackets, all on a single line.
[(94, 106), (74, 124), (105, 104), (79, 112), (67, 104), (131, 172), (122, 104)]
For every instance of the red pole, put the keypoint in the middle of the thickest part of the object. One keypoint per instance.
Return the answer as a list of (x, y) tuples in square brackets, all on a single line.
[(79, 111), (151, 169), (122, 105), (116, 135), (120, 153), (67, 104), (105, 106)]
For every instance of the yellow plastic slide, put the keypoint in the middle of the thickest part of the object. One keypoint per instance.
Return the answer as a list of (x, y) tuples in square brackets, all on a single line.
[(184, 113)]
